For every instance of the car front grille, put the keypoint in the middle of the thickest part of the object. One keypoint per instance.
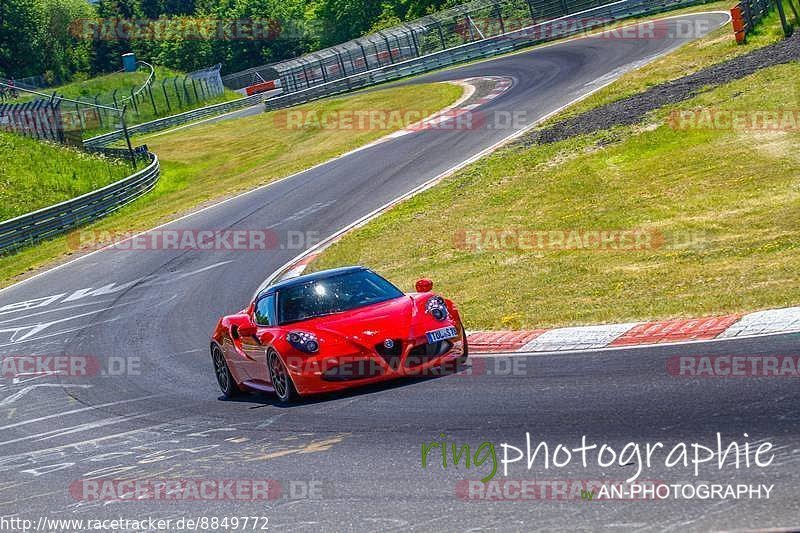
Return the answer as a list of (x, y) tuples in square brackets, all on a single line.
[(426, 352), (391, 355)]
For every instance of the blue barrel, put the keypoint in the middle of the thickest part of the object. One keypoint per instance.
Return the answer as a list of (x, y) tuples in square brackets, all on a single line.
[(129, 62)]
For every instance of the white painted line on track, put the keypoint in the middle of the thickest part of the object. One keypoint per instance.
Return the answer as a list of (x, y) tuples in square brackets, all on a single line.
[(81, 443), (76, 411)]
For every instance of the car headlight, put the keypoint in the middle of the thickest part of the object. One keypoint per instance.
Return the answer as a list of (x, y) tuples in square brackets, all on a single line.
[(436, 308), (303, 341)]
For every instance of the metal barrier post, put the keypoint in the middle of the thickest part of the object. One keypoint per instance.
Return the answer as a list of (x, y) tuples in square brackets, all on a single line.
[(99, 114), (166, 98), (127, 137), (787, 28), (152, 100), (133, 101)]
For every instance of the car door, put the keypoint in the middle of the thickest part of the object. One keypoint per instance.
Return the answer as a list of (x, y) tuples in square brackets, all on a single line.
[(264, 317)]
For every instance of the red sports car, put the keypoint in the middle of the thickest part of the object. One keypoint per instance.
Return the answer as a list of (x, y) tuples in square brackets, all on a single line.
[(335, 330)]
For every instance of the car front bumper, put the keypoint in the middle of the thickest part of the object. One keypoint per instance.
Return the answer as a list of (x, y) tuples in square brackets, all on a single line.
[(414, 358)]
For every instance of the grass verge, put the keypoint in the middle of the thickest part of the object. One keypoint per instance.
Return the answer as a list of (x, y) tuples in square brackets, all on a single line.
[(693, 56), (724, 203), (34, 174), (208, 162)]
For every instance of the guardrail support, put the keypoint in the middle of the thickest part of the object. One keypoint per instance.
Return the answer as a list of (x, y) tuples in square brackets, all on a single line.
[(127, 138), (166, 98), (530, 9), (787, 28), (152, 100)]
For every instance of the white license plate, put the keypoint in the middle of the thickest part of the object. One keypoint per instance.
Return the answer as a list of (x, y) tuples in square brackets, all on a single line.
[(441, 334)]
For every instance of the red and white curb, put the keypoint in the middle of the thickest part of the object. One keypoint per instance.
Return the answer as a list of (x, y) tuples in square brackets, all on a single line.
[(636, 333), (617, 335), (298, 268), (453, 118), (571, 338)]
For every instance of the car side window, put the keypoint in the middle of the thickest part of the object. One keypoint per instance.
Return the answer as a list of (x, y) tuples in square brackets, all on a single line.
[(265, 311)]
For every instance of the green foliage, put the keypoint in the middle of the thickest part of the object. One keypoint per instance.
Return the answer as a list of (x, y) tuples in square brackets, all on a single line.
[(63, 53), (20, 37), (46, 37)]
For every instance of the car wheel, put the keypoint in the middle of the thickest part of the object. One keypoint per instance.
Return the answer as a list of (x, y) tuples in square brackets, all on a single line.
[(281, 381), (224, 378)]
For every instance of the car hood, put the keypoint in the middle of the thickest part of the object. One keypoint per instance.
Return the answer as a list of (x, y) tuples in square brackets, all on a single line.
[(370, 325)]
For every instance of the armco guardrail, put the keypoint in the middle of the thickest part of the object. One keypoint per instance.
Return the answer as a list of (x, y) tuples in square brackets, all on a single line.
[(59, 218), (53, 220), (545, 31), (179, 119)]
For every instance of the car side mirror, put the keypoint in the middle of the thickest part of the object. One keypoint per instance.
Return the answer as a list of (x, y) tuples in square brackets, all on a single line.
[(424, 285), (247, 330)]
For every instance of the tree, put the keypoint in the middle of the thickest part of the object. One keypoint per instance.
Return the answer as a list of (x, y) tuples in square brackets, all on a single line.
[(20, 38), (65, 50), (262, 31), (342, 20), (108, 46)]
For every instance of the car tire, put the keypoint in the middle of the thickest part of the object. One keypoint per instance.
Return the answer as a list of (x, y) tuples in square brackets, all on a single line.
[(280, 378), (225, 379)]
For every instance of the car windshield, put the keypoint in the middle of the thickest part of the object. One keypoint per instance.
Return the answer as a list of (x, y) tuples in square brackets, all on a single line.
[(333, 295)]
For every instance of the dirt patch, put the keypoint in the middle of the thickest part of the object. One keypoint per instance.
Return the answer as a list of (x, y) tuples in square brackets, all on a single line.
[(633, 109)]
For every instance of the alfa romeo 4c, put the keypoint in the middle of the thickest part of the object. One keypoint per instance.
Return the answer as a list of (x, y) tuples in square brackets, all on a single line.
[(335, 330)]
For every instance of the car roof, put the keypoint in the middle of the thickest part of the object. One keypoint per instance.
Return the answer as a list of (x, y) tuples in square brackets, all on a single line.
[(309, 278)]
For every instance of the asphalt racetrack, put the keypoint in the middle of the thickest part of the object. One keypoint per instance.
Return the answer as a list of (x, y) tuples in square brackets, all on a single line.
[(353, 461)]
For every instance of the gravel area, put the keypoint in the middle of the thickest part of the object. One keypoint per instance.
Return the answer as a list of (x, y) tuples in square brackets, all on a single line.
[(632, 109)]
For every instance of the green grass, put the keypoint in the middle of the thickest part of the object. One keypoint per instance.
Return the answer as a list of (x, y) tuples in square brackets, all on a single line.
[(727, 203), (210, 161), (103, 88), (720, 45), (104, 85), (34, 174)]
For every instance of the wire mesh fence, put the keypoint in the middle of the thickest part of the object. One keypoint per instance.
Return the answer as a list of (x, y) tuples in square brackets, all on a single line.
[(56, 118), (747, 14), (463, 24)]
